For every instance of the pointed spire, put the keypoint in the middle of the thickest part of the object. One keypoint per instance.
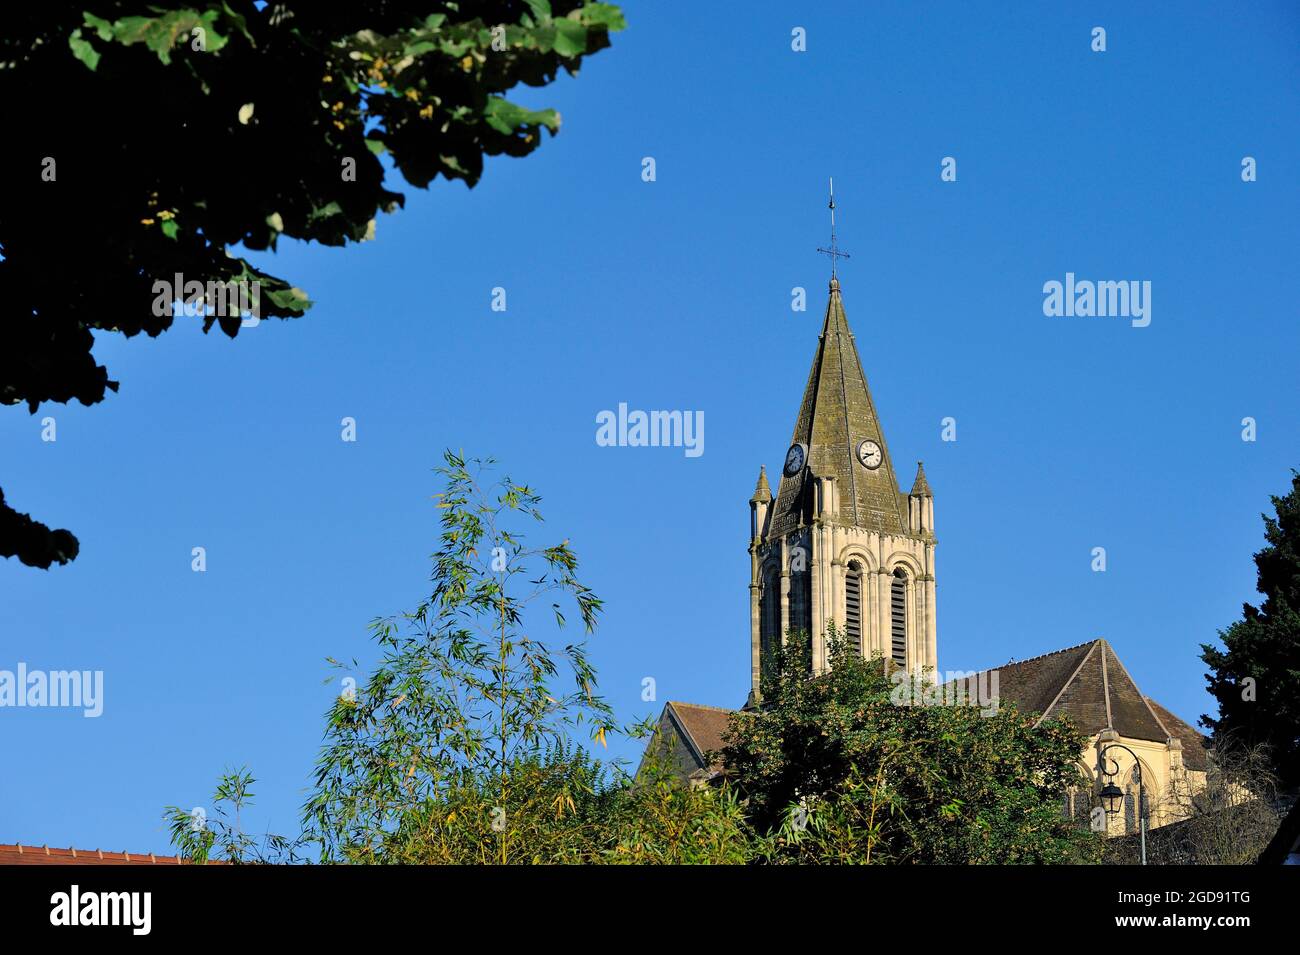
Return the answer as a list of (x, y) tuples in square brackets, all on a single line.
[(837, 417), (762, 492), (921, 487)]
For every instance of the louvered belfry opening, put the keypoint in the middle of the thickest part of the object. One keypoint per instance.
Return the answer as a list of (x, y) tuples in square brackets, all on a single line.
[(898, 618), (771, 613), (800, 601), (853, 605)]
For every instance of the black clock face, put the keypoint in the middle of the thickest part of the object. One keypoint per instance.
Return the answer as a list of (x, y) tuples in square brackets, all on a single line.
[(870, 455), (794, 459)]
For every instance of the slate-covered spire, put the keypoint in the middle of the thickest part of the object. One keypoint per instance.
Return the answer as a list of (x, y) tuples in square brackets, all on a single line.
[(921, 487), (836, 417)]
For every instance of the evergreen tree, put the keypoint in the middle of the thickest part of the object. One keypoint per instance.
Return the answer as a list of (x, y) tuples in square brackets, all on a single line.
[(1256, 677)]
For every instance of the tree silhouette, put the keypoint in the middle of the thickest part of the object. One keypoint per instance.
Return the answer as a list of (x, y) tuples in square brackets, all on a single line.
[(1256, 677), (142, 148)]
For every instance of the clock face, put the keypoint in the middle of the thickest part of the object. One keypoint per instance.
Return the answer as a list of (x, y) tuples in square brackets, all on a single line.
[(794, 459), (870, 455)]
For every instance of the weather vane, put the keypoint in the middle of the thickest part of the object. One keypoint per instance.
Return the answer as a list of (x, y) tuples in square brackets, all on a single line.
[(834, 251)]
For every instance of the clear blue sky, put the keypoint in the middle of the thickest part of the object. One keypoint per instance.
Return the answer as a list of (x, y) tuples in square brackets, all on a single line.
[(1072, 432)]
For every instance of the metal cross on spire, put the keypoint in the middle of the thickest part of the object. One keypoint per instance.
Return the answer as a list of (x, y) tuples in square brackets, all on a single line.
[(834, 251)]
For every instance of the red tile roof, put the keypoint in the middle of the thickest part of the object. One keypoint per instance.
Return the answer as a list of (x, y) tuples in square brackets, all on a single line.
[(19, 854)]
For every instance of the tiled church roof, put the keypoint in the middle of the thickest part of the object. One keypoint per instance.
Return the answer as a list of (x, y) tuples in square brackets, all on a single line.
[(836, 415), (703, 726), (1089, 684)]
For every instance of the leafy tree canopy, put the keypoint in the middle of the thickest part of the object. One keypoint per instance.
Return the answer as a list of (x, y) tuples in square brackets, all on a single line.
[(834, 769), (147, 140)]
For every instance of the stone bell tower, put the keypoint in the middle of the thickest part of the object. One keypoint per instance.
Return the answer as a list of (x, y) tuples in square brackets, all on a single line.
[(841, 542)]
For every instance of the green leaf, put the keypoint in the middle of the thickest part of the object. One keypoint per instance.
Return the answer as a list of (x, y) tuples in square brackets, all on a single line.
[(505, 117), (102, 26), (294, 299), (82, 49), (540, 8), (570, 38), (603, 14), (325, 212)]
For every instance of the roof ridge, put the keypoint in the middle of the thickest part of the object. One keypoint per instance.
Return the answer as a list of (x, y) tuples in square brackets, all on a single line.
[(1153, 702), (704, 706), (1142, 696), (1105, 686), (844, 402), (1066, 685), (1041, 656), (45, 850), (683, 731), (898, 497)]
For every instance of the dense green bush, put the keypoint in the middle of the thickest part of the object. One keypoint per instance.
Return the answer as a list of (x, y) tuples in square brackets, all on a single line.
[(833, 769)]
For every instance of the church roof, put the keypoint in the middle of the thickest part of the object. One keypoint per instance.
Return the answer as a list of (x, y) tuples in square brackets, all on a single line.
[(688, 740), (837, 414), (1089, 684), (703, 727)]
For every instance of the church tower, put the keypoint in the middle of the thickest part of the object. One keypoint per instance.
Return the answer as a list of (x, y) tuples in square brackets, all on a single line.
[(841, 542)]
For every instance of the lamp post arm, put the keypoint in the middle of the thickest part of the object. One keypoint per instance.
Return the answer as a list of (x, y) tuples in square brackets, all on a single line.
[(1137, 768)]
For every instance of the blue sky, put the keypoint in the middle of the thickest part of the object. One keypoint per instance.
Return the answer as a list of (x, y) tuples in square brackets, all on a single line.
[(1072, 433)]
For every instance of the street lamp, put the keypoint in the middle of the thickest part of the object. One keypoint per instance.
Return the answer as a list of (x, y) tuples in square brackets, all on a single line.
[(1113, 796)]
